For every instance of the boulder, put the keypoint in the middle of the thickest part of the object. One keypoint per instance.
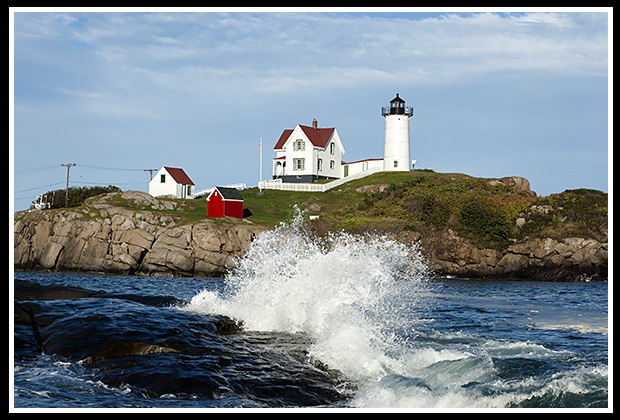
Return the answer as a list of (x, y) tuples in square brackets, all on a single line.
[(519, 184)]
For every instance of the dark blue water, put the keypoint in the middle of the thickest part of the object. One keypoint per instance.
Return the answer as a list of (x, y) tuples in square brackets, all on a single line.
[(474, 344), (339, 322)]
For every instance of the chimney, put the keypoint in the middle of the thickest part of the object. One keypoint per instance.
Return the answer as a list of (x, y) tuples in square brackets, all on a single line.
[(315, 123)]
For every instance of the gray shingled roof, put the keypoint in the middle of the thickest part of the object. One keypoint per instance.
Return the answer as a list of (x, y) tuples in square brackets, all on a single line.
[(230, 193)]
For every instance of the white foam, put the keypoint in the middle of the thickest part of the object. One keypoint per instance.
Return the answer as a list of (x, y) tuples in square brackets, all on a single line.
[(337, 290), (346, 293)]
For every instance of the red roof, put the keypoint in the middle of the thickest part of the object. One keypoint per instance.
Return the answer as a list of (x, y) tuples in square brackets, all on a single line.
[(179, 175), (317, 136), (285, 135)]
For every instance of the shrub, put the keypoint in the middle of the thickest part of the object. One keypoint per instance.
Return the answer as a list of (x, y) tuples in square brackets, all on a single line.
[(76, 196), (428, 208), (486, 222)]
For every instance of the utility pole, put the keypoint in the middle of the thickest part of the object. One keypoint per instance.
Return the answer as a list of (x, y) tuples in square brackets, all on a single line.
[(150, 171), (68, 165)]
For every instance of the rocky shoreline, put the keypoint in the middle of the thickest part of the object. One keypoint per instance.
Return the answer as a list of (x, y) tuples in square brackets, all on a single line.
[(572, 259), (106, 238)]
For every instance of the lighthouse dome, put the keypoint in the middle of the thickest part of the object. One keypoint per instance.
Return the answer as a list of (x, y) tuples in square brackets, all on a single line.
[(397, 107)]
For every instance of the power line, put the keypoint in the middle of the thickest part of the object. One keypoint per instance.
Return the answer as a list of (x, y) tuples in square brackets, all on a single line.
[(35, 169), (69, 165), (103, 183), (42, 186), (107, 168)]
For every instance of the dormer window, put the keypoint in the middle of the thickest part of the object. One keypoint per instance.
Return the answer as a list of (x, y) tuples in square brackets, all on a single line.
[(299, 145)]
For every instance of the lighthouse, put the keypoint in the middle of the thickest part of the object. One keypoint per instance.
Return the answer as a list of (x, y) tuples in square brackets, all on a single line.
[(396, 151)]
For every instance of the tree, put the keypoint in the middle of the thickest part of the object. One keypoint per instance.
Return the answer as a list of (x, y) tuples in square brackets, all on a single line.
[(77, 195)]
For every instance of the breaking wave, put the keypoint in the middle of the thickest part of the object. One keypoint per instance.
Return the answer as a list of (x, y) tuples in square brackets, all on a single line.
[(364, 302), (343, 291)]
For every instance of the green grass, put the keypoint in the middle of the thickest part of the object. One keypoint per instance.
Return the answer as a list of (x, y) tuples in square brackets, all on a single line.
[(425, 201), (272, 206), (420, 201)]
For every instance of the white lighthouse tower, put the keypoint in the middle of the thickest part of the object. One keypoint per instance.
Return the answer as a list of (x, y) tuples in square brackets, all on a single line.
[(396, 151)]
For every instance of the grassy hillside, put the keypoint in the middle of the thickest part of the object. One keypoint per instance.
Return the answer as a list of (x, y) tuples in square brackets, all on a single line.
[(479, 209), (486, 211)]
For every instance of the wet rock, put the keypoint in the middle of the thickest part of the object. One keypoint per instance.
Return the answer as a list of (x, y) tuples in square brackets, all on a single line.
[(161, 351), (25, 290)]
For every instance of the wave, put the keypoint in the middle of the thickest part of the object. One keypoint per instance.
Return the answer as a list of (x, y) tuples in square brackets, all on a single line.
[(362, 301), (343, 291)]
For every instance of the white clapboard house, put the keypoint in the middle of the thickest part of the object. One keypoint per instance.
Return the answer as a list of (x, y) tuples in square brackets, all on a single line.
[(305, 154)]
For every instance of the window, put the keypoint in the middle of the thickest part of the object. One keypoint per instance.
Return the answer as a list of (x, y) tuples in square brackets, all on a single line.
[(396, 164), (332, 147), (299, 164), (162, 178), (332, 164), (299, 145), (319, 165)]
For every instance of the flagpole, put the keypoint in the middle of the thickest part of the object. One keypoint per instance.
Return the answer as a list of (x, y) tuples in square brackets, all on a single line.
[(260, 177)]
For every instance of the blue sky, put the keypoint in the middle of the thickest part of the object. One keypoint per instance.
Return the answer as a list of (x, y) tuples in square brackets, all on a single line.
[(495, 93)]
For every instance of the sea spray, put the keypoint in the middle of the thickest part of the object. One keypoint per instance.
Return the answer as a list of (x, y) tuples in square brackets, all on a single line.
[(441, 343), (371, 309), (341, 290)]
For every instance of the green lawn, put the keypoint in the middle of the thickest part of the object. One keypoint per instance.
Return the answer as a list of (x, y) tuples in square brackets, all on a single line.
[(421, 201)]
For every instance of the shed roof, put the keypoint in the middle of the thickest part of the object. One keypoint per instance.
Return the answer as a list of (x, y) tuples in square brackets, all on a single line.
[(179, 175), (229, 193)]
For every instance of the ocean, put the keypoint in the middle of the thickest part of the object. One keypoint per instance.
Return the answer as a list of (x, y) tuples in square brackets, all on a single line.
[(338, 323)]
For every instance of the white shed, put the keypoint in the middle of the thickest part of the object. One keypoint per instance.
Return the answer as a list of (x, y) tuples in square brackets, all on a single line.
[(171, 181)]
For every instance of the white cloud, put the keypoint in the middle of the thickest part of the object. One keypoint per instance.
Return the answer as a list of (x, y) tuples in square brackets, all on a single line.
[(279, 51), (174, 75)]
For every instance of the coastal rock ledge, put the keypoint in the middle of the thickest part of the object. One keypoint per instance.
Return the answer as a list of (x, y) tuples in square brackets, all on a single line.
[(103, 236), (107, 238), (571, 259)]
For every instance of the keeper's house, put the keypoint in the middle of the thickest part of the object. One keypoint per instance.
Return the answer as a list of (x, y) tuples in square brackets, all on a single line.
[(225, 202), (305, 154), (171, 181)]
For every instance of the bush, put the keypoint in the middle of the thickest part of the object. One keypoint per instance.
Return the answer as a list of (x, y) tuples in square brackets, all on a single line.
[(76, 196), (582, 213), (428, 208), (486, 222)]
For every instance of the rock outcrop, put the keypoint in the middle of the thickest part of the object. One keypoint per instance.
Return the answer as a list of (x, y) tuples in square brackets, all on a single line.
[(572, 259), (104, 237)]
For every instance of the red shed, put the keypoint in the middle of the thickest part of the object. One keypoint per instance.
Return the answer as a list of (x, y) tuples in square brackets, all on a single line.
[(225, 202)]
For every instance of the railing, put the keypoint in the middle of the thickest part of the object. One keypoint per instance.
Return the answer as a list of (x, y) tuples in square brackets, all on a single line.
[(407, 110), (207, 191), (277, 184)]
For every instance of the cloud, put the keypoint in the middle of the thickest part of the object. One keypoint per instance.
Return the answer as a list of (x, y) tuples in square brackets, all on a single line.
[(134, 58), (479, 81), (296, 51)]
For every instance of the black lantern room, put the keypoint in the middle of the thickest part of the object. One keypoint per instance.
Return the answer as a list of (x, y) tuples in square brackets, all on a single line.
[(397, 107)]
